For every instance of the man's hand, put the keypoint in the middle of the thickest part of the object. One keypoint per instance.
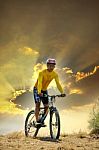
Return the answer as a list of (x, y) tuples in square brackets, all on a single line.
[(63, 95), (41, 94)]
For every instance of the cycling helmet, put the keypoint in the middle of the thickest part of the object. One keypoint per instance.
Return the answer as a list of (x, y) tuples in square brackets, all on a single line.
[(51, 61)]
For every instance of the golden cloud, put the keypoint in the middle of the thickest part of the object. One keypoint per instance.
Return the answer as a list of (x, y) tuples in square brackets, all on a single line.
[(68, 70), (81, 75), (11, 108), (28, 51), (16, 74), (77, 91)]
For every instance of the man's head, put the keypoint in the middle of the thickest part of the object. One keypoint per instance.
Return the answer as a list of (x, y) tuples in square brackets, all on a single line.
[(50, 64)]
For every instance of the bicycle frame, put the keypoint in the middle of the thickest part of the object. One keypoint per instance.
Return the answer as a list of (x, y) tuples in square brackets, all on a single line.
[(51, 101)]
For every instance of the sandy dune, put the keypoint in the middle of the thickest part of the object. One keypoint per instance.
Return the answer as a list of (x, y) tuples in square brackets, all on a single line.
[(17, 141)]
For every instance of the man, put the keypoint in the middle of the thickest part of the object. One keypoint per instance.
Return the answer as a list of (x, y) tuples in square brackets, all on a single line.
[(40, 88)]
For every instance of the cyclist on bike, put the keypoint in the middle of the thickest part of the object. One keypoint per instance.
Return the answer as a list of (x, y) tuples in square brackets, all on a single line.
[(40, 87)]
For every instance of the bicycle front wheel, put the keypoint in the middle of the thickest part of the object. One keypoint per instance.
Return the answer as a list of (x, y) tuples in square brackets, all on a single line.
[(54, 124), (30, 129)]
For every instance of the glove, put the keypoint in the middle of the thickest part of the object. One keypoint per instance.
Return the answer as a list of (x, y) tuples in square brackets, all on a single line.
[(63, 95)]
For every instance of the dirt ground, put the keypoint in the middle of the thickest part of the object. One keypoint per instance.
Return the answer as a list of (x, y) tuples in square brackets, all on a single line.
[(18, 141)]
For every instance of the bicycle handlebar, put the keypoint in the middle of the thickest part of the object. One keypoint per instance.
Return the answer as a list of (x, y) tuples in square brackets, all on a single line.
[(53, 96)]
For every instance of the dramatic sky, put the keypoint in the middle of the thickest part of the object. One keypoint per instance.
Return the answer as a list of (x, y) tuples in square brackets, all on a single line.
[(32, 31)]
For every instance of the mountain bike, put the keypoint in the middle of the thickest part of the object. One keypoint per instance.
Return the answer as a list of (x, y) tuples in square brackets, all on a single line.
[(54, 122)]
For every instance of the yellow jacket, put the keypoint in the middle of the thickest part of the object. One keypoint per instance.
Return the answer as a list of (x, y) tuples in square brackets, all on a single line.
[(44, 79)]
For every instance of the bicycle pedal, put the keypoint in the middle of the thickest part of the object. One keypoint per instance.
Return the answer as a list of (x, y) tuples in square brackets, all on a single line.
[(38, 124), (43, 125), (35, 124)]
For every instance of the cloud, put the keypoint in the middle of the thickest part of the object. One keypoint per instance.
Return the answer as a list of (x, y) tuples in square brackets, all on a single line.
[(81, 75), (16, 73), (18, 70), (82, 92), (79, 93)]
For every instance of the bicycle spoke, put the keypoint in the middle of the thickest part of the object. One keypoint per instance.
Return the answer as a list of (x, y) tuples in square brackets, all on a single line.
[(55, 125), (30, 128)]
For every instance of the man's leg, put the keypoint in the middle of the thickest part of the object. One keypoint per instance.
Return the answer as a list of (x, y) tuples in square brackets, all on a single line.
[(37, 103), (45, 101), (45, 113), (46, 109), (37, 108)]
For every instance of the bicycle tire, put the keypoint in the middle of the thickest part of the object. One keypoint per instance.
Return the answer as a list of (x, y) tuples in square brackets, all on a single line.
[(57, 124), (30, 125)]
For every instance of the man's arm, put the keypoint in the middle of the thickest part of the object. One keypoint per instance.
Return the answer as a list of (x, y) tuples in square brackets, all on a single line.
[(39, 86), (58, 84)]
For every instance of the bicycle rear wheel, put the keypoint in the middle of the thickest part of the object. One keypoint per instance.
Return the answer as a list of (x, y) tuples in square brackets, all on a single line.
[(30, 129), (54, 124)]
